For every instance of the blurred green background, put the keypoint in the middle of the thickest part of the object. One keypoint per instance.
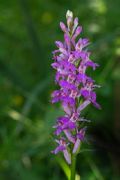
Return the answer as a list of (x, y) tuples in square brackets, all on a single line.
[(28, 30)]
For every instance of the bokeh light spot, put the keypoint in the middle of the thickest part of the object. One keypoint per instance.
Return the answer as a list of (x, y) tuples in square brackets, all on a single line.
[(47, 18)]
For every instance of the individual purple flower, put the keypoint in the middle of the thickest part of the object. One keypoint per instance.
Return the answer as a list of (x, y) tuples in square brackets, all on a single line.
[(79, 137), (76, 89), (62, 147)]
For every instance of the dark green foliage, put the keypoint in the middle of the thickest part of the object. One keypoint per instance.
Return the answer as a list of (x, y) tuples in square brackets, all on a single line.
[(28, 30)]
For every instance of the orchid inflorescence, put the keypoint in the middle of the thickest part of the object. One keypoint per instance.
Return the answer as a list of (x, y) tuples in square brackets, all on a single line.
[(76, 88)]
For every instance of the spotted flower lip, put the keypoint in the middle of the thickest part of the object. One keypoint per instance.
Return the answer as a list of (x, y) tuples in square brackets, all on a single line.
[(61, 145), (76, 89)]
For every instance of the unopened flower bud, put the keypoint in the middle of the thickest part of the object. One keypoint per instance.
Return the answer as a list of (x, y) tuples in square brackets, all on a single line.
[(69, 17), (63, 27), (69, 14)]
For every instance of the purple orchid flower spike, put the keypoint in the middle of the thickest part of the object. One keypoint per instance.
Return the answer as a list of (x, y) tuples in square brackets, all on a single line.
[(76, 89)]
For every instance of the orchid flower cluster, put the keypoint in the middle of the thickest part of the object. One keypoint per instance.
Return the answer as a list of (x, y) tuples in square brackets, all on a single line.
[(76, 88)]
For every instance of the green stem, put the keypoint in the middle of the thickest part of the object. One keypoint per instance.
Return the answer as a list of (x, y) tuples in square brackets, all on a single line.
[(73, 166)]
